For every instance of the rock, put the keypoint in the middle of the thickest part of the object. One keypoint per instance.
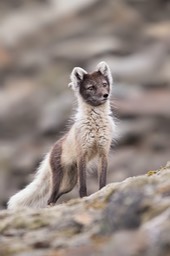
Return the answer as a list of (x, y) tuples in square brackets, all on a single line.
[(41, 41), (143, 104), (142, 66), (134, 212)]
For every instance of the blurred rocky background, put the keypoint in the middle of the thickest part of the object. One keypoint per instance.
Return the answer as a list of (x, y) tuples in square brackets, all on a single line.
[(40, 43)]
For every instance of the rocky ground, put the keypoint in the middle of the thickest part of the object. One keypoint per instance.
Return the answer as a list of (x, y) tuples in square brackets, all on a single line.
[(126, 218), (42, 40)]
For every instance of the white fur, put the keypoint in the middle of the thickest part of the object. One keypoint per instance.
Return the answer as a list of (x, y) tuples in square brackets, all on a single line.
[(105, 70), (98, 120), (37, 193), (76, 76)]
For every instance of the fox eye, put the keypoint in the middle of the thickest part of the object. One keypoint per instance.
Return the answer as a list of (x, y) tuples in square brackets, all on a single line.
[(91, 88), (104, 84)]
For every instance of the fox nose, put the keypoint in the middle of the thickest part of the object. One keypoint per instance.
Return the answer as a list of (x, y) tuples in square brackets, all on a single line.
[(105, 95)]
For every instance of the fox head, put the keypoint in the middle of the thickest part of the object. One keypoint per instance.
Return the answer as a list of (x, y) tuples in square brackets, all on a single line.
[(94, 88)]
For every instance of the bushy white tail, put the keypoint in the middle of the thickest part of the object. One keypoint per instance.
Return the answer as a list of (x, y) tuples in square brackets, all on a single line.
[(37, 193)]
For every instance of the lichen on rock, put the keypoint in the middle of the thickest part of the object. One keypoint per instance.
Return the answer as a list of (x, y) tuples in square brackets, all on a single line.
[(124, 218)]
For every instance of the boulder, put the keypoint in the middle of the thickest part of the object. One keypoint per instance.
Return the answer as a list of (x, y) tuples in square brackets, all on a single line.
[(126, 218)]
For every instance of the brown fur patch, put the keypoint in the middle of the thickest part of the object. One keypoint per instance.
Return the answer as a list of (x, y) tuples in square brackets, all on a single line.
[(82, 176), (95, 88), (57, 170), (103, 172), (64, 176)]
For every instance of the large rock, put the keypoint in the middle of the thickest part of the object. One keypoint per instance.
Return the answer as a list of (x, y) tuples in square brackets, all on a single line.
[(123, 219), (41, 41)]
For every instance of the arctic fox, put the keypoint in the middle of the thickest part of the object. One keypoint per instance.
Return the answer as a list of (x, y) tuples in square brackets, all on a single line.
[(90, 136)]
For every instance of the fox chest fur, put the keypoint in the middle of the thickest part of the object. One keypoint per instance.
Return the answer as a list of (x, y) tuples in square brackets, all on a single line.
[(93, 134)]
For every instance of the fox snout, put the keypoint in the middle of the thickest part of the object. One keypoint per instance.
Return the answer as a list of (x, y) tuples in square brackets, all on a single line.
[(105, 96)]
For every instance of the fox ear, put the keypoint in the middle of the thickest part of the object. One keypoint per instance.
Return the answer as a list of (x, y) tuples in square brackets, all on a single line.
[(104, 69), (77, 75)]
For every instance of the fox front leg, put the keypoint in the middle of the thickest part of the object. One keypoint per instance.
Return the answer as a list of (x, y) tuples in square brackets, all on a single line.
[(103, 171), (81, 164)]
